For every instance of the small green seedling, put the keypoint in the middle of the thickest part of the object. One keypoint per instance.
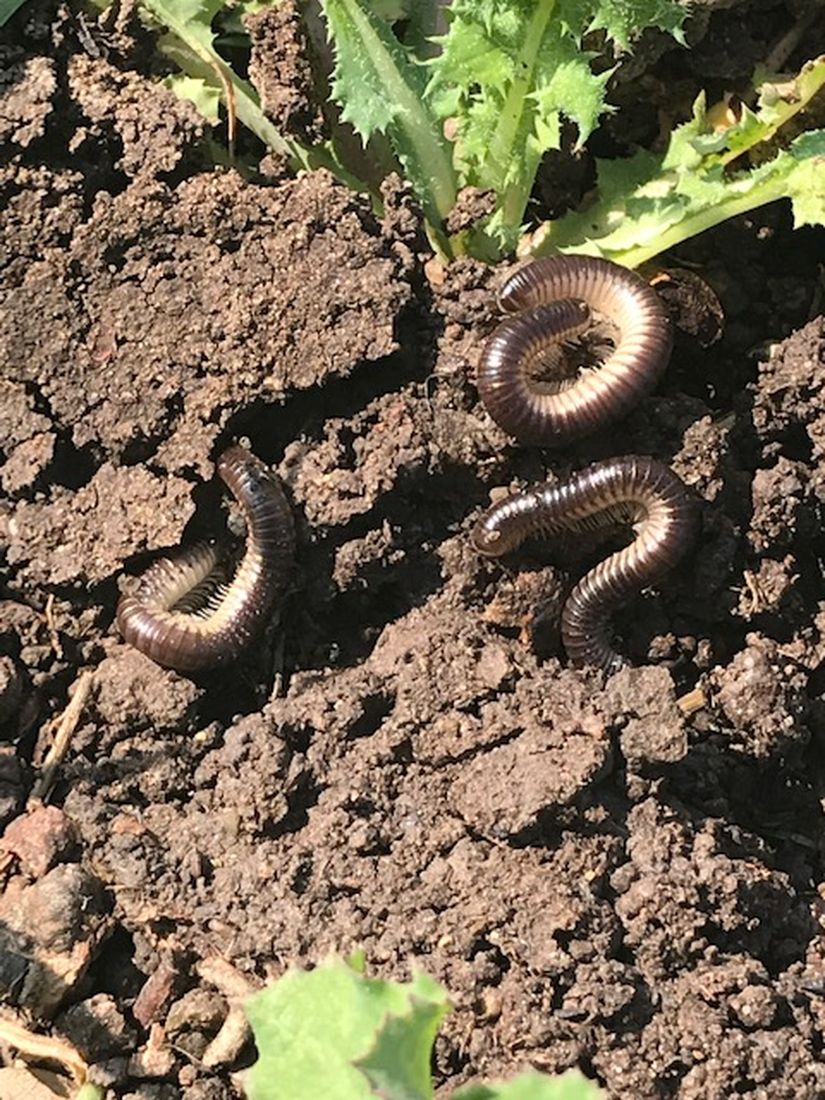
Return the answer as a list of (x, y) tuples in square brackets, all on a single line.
[(337, 1034)]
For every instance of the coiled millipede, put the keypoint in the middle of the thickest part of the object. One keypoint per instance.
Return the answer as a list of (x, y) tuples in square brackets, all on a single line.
[(551, 301), (622, 492)]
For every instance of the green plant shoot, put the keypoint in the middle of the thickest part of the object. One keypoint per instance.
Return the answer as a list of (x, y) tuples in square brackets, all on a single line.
[(335, 1033), (474, 93)]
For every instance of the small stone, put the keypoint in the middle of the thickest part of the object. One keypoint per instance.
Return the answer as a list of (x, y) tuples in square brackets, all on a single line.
[(155, 1059), (364, 838), (755, 1006), (54, 926), (108, 1073), (154, 994), (197, 1010), (187, 1076), (40, 839), (493, 666)]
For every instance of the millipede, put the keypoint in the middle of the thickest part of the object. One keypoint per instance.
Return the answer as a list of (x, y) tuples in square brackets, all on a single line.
[(185, 614), (639, 493), (549, 302)]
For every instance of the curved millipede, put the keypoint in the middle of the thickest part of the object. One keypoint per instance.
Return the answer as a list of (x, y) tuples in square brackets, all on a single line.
[(183, 614), (551, 301), (637, 492)]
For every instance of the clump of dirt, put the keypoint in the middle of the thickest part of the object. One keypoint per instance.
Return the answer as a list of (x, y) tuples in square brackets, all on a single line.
[(146, 306), (621, 873), (280, 69), (61, 541)]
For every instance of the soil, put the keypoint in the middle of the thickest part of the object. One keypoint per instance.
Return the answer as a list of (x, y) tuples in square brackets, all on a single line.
[(624, 874)]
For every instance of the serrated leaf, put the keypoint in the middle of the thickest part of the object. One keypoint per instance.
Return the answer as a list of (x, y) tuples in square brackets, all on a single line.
[(573, 90), (311, 1027), (621, 20), (649, 203), (398, 1066), (381, 90), (806, 180), (685, 149), (779, 100), (534, 1086), (509, 72)]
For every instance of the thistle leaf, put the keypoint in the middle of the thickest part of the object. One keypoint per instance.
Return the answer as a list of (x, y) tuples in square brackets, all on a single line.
[(381, 90)]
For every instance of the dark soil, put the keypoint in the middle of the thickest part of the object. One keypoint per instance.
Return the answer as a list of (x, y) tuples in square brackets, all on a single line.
[(598, 874)]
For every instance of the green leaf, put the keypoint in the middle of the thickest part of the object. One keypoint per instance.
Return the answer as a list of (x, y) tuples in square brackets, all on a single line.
[(398, 1066), (779, 101), (205, 97), (534, 1086), (8, 8), (649, 203), (492, 77), (509, 72), (621, 20), (312, 1027), (89, 1092), (334, 1034), (391, 10), (382, 91), (805, 184)]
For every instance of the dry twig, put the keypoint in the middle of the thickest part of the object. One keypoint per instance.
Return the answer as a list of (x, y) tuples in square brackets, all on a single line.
[(43, 1048), (65, 727)]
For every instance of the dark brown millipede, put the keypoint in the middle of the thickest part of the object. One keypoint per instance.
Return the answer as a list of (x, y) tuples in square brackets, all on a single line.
[(551, 301), (637, 492), (182, 614)]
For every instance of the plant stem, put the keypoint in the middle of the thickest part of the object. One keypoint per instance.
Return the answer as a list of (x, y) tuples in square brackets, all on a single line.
[(688, 227), (420, 129), (512, 119)]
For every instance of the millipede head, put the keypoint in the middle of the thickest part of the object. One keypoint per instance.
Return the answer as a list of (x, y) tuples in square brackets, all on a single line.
[(493, 538)]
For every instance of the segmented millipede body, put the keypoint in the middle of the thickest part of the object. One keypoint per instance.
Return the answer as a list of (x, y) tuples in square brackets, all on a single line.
[(551, 301), (183, 615), (637, 492)]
